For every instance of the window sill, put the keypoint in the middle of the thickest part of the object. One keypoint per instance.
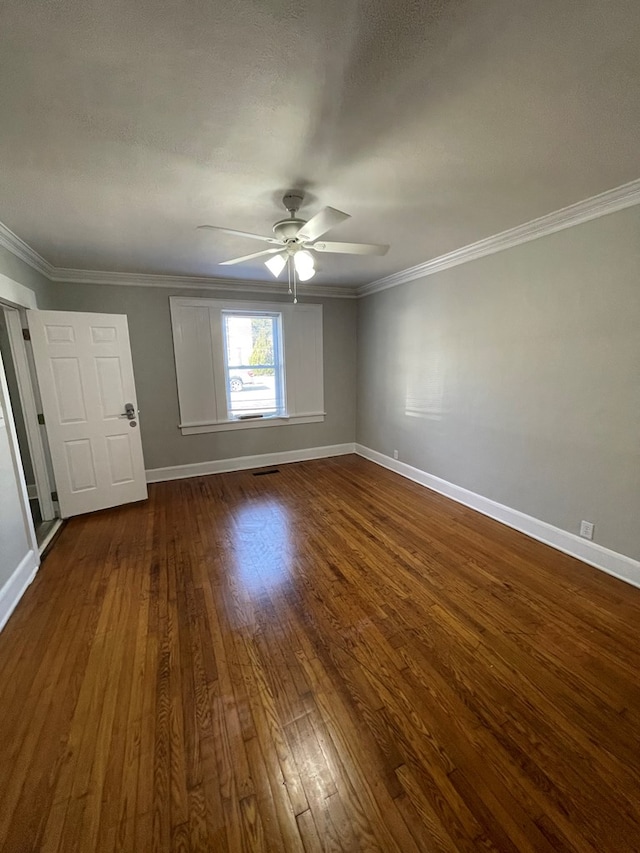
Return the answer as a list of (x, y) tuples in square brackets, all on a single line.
[(278, 420)]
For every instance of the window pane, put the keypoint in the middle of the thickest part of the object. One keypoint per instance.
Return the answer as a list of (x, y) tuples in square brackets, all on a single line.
[(253, 366)]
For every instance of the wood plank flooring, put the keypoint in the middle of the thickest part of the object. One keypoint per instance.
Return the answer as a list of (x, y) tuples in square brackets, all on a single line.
[(328, 658)]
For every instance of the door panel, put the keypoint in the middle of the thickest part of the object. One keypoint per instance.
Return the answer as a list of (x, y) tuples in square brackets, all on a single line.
[(110, 386), (69, 393), (120, 461), (85, 373), (80, 465), (60, 334)]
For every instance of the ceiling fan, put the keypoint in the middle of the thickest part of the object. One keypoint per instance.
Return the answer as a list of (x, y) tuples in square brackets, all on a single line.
[(296, 239)]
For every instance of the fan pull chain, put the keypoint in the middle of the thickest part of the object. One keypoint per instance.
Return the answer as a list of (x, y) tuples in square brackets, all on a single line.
[(291, 266)]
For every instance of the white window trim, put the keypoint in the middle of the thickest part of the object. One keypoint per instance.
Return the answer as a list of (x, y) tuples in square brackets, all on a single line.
[(291, 416), (266, 421), (279, 411)]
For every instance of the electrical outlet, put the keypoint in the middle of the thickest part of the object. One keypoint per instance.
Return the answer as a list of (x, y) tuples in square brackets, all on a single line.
[(395, 454), (586, 529)]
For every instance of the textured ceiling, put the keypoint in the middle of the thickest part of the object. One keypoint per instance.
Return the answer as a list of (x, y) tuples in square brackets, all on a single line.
[(124, 125)]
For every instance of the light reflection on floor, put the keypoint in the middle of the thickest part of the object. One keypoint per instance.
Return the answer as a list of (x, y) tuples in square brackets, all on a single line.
[(262, 545)]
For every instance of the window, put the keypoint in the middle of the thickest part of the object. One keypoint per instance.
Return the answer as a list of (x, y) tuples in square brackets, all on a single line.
[(254, 370), (243, 365)]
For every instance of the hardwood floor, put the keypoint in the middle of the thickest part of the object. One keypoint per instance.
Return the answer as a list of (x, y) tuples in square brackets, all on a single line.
[(325, 658)]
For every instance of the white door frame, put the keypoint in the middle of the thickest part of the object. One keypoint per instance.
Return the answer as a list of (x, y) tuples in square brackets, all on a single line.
[(14, 298), (32, 555), (30, 413)]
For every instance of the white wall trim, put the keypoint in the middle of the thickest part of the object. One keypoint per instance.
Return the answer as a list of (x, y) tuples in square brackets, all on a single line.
[(610, 201), (242, 463), (258, 423), (15, 587), (26, 393), (622, 567), (183, 282), (22, 250), (16, 294)]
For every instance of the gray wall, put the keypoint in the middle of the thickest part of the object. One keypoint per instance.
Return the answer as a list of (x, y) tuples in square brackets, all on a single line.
[(147, 310), (518, 377)]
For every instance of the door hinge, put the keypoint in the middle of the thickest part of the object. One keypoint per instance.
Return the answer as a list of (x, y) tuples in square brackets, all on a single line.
[(26, 334), (40, 418), (54, 496)]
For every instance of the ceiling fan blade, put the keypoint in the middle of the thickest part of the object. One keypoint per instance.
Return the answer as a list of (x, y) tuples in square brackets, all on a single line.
[(321, 223), (351, 248), (239, 233), (249, 257)]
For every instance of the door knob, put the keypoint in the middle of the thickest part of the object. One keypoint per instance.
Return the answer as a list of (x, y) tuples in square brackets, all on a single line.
[(129, 411)]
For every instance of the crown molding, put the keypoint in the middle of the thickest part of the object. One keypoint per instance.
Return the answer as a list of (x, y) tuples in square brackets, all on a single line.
[(125, 279), (25, 253), (22, 250), (607, 202)]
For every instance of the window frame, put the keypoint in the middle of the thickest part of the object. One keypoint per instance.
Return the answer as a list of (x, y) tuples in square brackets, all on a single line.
[(199, 360), (278, 365)]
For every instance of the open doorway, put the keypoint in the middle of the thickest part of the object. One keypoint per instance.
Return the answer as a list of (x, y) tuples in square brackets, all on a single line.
[(31, 436)]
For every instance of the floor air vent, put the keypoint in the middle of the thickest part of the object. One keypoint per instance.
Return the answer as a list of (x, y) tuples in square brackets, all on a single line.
[(264, 473)]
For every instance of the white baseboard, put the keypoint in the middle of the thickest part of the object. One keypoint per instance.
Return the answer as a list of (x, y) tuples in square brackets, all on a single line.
[(615, 564), (242, 463), (15, 587)]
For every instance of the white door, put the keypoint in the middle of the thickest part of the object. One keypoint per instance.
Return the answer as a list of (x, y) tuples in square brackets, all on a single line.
[(85, 374)]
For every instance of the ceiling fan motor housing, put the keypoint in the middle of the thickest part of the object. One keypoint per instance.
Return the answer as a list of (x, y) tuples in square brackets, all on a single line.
[(287, 229)]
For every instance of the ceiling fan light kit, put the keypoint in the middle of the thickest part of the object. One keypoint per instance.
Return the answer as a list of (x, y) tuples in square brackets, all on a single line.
[(276, 264), (295, 242), (304, 265)]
